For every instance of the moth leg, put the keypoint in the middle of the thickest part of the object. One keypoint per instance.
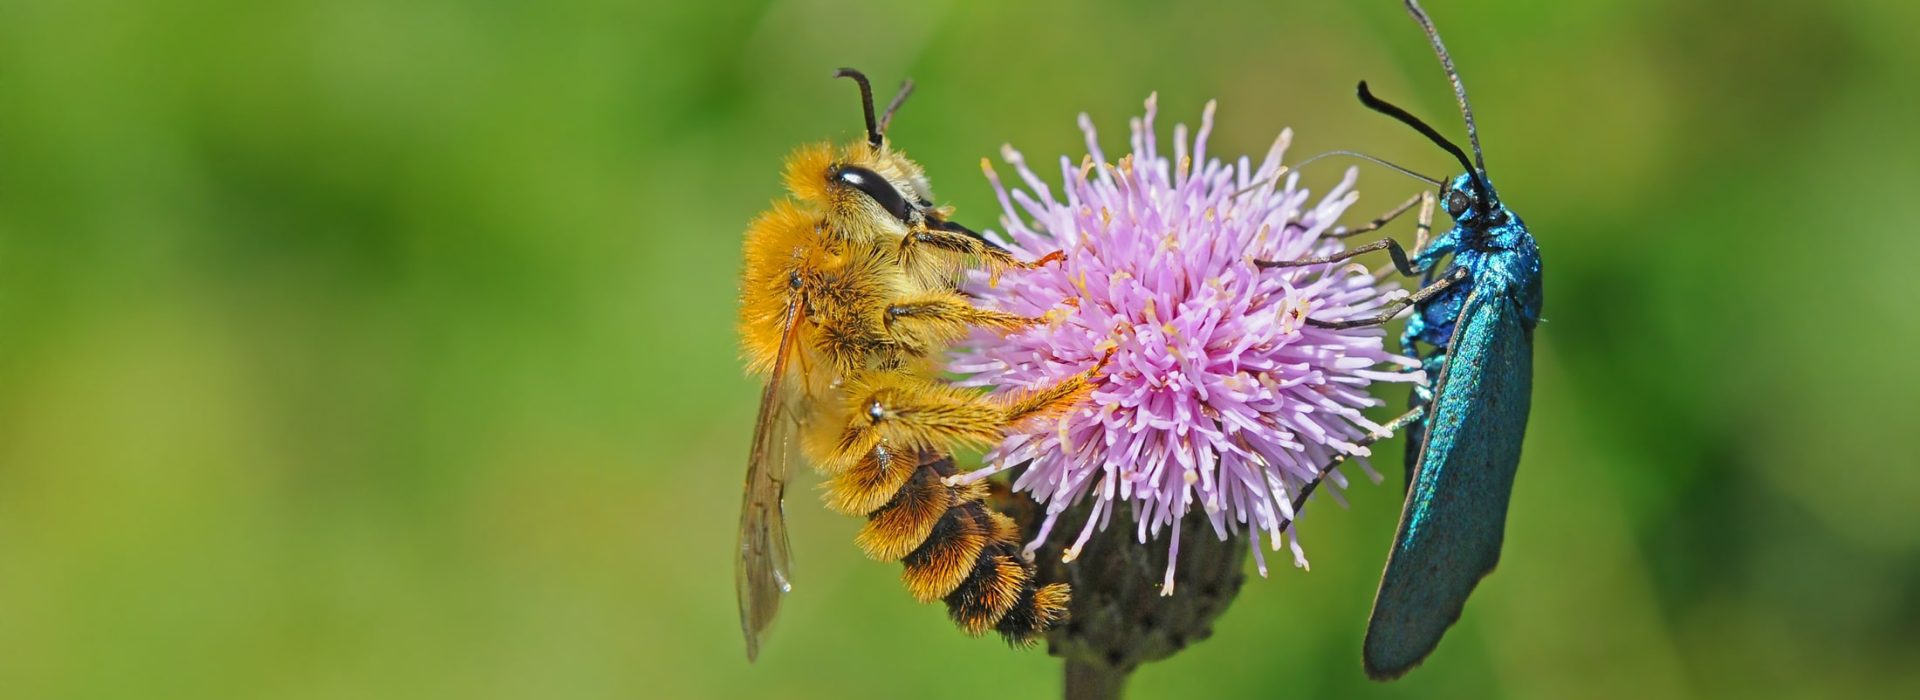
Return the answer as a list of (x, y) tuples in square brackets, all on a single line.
[(1392, 428), (1409, 267), (1423, 226), (1458, 275), (1392, 247), (1427, 256), (1427, 250), (1383, 219)]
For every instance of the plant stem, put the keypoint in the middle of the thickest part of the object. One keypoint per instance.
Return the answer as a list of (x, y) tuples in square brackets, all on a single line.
[(1119, 617), (1091, 681)]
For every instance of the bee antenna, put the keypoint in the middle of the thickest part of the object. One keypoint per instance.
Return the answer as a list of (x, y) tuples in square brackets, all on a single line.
[(1382, 106), (1459, 88), (899, 98), (866, 102)]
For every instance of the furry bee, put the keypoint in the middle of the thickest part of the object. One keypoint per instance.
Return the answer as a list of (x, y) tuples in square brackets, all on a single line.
[(847, 298)]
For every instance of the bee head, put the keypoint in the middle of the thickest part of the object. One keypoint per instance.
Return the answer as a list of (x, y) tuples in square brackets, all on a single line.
[(873, 170), (876, 188)]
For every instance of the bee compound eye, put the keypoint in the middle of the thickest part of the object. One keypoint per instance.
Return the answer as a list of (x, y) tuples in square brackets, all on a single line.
[(876, 188)]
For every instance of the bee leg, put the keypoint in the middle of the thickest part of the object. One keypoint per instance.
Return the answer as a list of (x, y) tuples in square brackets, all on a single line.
[(952, 237), (1054, 399), (912, 412), (956, 242), (948, 313), (909, 412), (918, 324)]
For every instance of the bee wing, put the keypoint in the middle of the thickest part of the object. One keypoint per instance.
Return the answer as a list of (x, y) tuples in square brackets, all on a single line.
[(761, 574)]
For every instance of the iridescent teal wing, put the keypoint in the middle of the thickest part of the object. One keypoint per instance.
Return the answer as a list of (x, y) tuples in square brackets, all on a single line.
[(1456, 513)]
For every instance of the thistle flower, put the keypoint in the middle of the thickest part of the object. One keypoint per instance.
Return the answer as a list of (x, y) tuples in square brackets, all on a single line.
[(1219, 395)]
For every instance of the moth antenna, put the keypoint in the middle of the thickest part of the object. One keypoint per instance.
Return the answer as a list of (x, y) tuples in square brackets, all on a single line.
[(1403, 116), (1459, 88), (866, 102), (899, 98), (1376, 161)]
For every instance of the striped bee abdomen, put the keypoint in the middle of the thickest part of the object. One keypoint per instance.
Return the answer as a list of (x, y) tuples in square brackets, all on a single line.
[(953, 547)]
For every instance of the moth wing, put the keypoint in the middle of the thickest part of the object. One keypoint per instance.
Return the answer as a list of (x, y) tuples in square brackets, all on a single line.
[(1454, 519)]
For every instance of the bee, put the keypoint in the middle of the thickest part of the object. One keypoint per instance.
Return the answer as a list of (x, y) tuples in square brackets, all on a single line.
[(848, 296)]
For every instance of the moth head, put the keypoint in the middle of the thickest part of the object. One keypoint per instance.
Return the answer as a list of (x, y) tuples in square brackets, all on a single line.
[(1471, 201)]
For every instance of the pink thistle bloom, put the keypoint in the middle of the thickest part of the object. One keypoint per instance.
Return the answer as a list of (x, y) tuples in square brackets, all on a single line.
[(1219, 396)]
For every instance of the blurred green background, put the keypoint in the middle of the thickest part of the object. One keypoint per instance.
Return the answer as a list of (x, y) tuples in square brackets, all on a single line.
[(363, 349)]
